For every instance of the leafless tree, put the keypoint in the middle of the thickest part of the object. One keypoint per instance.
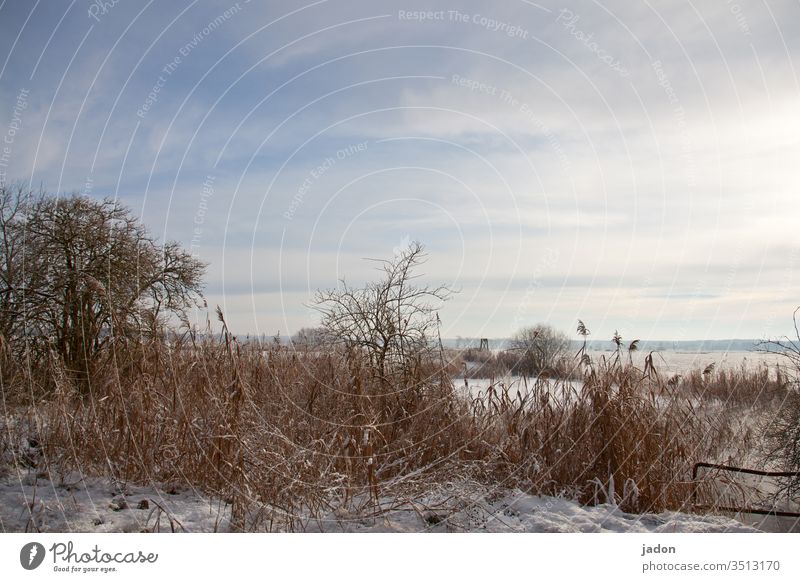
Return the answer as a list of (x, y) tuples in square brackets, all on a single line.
[(77, 272), (540, 348), (309, 338), (14, 203), (392, 319), (782, 432)]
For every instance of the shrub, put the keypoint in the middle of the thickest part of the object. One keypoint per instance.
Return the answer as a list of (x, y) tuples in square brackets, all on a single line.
[(393, 320), (782, 434)]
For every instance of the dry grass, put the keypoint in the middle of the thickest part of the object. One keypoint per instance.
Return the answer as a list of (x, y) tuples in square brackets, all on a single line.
[(288, 435), (621, 439), (742, 386)]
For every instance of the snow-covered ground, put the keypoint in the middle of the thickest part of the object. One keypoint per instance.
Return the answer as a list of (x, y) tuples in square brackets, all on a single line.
[(475, 387), (670, 362), (76, 504), (28, 503), (667, 363)]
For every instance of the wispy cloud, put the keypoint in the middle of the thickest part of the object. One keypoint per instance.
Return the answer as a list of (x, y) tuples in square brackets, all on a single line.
[(560, 161)]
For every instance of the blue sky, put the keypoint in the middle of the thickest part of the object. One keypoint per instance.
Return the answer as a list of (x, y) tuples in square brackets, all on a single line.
[(630, 165)]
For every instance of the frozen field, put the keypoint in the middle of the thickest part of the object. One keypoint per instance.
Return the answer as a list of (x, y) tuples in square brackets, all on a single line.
[(667, 364), (678, 362)]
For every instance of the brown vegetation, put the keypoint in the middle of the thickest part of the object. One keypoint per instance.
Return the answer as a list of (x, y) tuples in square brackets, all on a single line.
[(285, 435)]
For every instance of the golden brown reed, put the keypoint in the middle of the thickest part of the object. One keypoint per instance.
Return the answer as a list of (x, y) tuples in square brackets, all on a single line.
[(285, 435)]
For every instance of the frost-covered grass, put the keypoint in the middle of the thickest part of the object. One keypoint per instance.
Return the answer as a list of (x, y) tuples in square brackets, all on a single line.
[(286, 441)]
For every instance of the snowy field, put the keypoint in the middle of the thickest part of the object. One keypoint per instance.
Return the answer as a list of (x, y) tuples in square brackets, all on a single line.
[(678, 362), (96, 505), (667, 363)]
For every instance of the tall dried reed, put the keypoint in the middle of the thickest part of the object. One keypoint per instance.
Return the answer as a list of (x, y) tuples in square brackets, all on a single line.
[(287, 435)]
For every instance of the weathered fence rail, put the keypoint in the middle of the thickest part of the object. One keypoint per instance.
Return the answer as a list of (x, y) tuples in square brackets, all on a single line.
[(743, 509)]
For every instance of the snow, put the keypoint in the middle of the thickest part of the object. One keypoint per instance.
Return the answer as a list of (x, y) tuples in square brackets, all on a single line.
[(667, 363), (76, 504), (475, 387)]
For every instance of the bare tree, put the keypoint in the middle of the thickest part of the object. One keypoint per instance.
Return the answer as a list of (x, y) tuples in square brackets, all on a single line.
[(782, 432), (540, 348), (308, 338), (14, 204), (392, 319), (77, 272)]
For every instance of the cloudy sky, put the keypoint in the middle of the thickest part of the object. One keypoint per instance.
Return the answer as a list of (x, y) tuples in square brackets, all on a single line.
[(630, 164)]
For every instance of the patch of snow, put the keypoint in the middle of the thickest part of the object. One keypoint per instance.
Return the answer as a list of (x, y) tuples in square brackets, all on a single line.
[(31, 502)]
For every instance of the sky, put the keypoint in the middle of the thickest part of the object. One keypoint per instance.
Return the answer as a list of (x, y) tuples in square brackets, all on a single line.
[(632, 165)]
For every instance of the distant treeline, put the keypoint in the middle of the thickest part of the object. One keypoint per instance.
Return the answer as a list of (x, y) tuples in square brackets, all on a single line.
[(723, 345)]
